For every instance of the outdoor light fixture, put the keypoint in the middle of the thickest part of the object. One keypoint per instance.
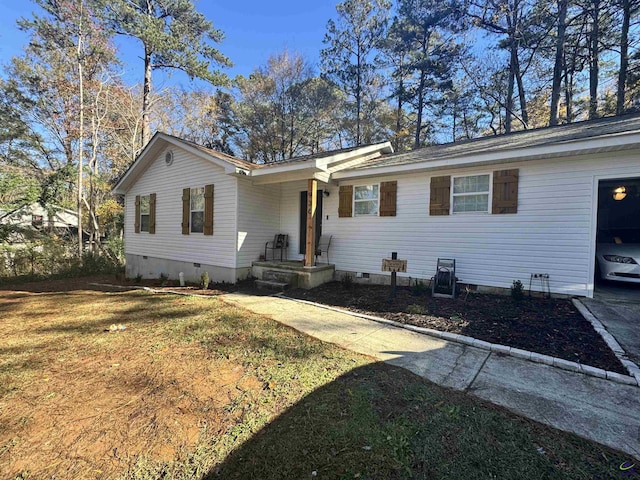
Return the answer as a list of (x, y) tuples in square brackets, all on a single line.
[(619, 193), (325, 193)]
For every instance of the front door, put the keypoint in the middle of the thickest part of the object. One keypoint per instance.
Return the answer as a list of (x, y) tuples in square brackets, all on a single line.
[(303, 220)]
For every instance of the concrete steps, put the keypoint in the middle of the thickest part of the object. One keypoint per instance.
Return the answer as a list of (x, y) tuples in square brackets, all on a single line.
[(271, 285), (278, 281)]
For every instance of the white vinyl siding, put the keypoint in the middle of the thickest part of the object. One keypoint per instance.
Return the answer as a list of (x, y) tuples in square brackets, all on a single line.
[(258, 219), (551, 233), (471, 193), (167, 182)]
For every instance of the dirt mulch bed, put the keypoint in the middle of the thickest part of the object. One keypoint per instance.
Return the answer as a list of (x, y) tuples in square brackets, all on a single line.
[(548, 326)]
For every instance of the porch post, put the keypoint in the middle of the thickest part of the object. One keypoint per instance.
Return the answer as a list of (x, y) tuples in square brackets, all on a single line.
[(312, 202)]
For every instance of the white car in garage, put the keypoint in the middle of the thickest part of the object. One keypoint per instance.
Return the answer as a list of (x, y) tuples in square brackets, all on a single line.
[(618, 255)]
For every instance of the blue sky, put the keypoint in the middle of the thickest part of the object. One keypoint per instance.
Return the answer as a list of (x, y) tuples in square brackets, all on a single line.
[(254, 29)]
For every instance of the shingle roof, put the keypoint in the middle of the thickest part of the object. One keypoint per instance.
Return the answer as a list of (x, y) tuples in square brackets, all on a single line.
[(252, 166), (501, 143), (238, 162)]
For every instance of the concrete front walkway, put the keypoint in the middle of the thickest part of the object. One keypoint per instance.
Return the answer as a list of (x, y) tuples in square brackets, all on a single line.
[(594, 408), (618, 309)]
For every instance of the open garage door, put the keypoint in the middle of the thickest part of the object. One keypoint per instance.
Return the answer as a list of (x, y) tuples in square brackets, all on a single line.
[(618, 237)]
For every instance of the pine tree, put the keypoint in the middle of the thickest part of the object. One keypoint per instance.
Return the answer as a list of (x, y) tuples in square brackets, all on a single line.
[(174, 36)]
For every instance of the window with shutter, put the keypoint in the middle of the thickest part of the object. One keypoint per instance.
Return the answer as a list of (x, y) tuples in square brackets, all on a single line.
[(345, 206), (196, 218), (144, 213), (366, 199), (505, 191), (471, 194), (388, 198), (439, 203)]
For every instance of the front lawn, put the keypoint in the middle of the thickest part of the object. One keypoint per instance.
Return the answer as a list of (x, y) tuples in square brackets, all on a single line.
[(549, 326), (194, 388)]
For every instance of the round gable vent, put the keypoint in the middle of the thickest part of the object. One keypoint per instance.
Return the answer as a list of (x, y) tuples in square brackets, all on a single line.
[(168, 157)]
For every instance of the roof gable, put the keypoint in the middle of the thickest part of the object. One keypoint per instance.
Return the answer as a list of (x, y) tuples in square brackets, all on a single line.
[(319, 165), (159, 142)]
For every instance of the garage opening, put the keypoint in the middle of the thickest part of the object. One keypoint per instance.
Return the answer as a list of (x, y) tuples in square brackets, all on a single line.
[(618, 237)]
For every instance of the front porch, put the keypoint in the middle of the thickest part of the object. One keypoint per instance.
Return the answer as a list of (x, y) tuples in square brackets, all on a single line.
[(293, 273)]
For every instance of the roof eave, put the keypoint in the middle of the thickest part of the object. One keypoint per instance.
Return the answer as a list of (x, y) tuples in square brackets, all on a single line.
[(318, 167), (615, 142)]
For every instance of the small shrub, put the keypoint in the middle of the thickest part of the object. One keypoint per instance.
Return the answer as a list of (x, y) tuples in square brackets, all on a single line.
[(138, 278), (347, 281), (164, 279), (419, 288), (417, 309), (204, 280), (517, 290)]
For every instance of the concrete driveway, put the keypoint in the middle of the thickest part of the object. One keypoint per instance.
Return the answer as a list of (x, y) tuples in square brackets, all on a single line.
[(618, 308)]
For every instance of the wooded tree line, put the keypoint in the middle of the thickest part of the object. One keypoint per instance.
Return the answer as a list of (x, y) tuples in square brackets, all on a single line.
[(415, 72)]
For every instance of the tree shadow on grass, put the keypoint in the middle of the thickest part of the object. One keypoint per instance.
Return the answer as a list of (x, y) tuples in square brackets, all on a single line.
[(383, 422)]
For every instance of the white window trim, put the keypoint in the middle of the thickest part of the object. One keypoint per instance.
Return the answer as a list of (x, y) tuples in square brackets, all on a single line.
[(353, 201), (191, 210), (490, 193), (148, 214)]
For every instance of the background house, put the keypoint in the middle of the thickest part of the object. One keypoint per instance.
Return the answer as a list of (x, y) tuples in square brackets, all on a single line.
[(34, 217)]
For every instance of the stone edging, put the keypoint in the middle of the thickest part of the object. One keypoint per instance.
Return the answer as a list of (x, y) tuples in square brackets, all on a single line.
[(492, 347), (613, 344)]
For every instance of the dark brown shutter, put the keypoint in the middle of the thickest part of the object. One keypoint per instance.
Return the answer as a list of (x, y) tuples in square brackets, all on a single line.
[(345, 206), (388, 198), (152, 213), (186, 210), (208, 210), (136, 224), (505, 191), (440, 202)]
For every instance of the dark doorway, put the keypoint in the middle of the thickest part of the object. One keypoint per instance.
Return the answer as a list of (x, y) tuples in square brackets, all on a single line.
[(618, 236), (303, 220)]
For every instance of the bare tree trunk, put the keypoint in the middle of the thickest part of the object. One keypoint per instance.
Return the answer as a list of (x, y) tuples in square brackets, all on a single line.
[(594, 69), (146, 100), (416, 142), (510, 88), (454, 118), (557, 67), (80, 132), (524, 113), (399, 115), (624, 56), (466, 124), (358, 97)]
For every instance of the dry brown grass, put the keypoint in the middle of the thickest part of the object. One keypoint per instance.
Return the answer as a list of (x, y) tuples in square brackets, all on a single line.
[(82, 402)]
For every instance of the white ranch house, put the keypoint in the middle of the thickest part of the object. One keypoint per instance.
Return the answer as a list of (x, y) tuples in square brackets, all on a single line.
[(504, 207)]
